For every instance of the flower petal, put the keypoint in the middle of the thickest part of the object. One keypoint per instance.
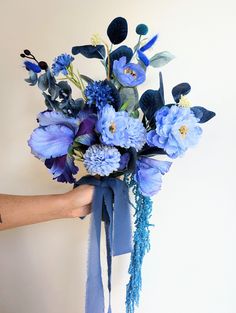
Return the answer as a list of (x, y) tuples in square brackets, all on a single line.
[(62, 168), (149, 44), (51, 141), (47, 118)]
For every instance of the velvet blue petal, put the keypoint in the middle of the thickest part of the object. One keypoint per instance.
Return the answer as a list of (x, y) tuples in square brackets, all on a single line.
[(51, 141), (143, 58), (47, 118), (90, 51), (149, 44), (202, 114), (179, 90), (151, 101), (62, 168), (117, 30)]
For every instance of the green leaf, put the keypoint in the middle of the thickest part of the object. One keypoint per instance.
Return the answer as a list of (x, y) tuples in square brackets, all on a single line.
[(135, 114), (124, 106), (160, 59), (129, 94)]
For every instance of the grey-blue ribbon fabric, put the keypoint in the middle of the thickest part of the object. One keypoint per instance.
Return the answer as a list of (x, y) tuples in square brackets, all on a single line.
[(110, 205)]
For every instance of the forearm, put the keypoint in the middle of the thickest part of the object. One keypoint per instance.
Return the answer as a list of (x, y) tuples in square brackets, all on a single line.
[(24, 210)]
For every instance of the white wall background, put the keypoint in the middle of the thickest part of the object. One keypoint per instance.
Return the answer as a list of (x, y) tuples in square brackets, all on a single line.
[(191, 268)]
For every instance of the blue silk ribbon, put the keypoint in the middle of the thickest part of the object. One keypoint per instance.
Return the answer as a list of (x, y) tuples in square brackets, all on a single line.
[(111, 205)]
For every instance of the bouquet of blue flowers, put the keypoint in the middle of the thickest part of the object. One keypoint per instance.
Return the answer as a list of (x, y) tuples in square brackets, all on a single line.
[(116, 134)]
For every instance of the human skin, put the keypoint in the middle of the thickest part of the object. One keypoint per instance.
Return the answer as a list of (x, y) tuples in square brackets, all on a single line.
[(24, 210)]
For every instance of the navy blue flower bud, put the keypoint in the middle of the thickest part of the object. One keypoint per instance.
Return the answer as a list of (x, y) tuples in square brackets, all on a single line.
[(142, 29), (27, 52)]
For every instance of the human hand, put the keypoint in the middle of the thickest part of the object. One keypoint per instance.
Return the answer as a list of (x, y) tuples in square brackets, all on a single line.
[(78, 201)]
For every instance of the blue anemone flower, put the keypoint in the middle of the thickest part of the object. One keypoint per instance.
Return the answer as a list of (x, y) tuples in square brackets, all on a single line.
[(176, 130), (149, 173), (101, 160), (61, 63), (130, 74)]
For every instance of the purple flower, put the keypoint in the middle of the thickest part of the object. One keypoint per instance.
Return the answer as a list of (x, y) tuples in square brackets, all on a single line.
[(130, 74), (62, 168), (61, 63), (176, 130), (149, 175), (101, 160)]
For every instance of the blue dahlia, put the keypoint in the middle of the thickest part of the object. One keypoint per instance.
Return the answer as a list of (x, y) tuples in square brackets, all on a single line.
[(176, 130), (98, 93), (101, 160), (61, 64), (149, 173), (130, 74)]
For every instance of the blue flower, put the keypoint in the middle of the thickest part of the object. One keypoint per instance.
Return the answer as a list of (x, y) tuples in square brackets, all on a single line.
[(101, 160), (30, 66), (149, 175), (112, 126), (98, 93), (176, 130), (136, 133), (119, 129), (51, 140), (130, 74), (62, 168), (61, 63)]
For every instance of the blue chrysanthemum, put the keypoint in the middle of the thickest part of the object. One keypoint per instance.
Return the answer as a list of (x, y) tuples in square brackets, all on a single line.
[(101, 160), (61, 63), (98, 93), (136, 133), (176, 130)]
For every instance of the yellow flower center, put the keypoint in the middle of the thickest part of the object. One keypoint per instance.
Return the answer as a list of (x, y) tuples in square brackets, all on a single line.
[(96, 39), (183, 131), (184, 102), (112, 127), (128, 70)]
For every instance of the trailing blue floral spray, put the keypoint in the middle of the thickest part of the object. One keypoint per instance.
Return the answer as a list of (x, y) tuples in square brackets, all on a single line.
[(141, 239)]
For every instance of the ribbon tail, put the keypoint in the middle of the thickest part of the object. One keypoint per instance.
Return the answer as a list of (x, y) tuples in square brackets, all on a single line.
[(108, 201), (94, 288), (122, 220)]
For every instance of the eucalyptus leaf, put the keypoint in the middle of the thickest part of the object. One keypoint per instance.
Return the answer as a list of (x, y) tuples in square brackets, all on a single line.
[(160, 59), (124, 106), (135, 114), (130, 95), (86, 78)]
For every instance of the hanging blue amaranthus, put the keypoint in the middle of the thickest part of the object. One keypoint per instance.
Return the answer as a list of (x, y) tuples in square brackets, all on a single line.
[(141, 245)]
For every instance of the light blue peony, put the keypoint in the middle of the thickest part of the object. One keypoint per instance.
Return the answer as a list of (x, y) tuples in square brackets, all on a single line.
[(176, 130)]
